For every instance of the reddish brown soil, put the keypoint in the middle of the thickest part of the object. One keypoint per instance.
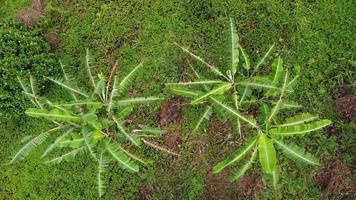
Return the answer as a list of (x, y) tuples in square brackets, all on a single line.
[(54, 40), (335, 181), (346, 106), (29, 16), (170, 118), (218, 187)]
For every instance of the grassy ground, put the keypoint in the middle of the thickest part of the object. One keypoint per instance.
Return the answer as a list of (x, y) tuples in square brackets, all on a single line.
[(318, 36)]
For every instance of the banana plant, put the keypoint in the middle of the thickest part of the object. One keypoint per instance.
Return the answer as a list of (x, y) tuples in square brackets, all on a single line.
[(93, 122), (234, 93), (268, 133), (234, 87)]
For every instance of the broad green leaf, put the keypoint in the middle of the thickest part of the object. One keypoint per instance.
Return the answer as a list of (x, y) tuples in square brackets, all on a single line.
[(121, 157), (185, 92), (73, 143), (32, 144), (236, 156), (290, 105), (137, 100), (219, 89), (234, 47), (300, 129), (127, 81), (234, 112), (278, 105), (297, 152), (54, 114), (299, 119), (202, 82), (133, 138), (277, 70), (240, 171), (125, 112), (96, 104), (267, 154), (92, 120)]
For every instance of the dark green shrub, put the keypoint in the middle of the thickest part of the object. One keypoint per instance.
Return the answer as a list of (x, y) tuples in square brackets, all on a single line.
[(22, 50)]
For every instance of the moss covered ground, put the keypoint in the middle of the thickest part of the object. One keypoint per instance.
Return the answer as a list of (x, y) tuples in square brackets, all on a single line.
[(318, 36)]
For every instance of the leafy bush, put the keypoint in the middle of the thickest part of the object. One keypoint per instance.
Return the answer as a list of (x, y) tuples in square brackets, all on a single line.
[(22, 50), (239, 90), (93, 123)]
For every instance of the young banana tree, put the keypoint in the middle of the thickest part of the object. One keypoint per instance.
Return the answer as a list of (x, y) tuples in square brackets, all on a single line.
[(269, 133), (235, 86), (234, 93), (92, 123)]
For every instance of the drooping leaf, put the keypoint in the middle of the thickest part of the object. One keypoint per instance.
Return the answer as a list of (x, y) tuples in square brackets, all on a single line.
[(56, 143), (53, 114), (267, 154), (211, 67), (263, 59), (299, 119), (134, 156), (99, 90), (297, 152), (66, 78), (87, 134), (234, 112), (185, 92), (113, 94), (66, 157), (247, 64), (127, 81), (236, 156), (125, 161), (300, 129), (240, 171), (238, 124), (103, 164), (219, 89), (87, 67), (133, 138), (26, 92), (32, 144), (206, 116), (137, 100), (67, 87)]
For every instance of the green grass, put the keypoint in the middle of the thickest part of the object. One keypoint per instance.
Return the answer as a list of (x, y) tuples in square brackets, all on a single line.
[(318, 36)]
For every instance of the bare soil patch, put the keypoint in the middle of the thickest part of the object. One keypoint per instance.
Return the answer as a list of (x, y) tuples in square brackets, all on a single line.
[(29, 16), (335, 180)]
